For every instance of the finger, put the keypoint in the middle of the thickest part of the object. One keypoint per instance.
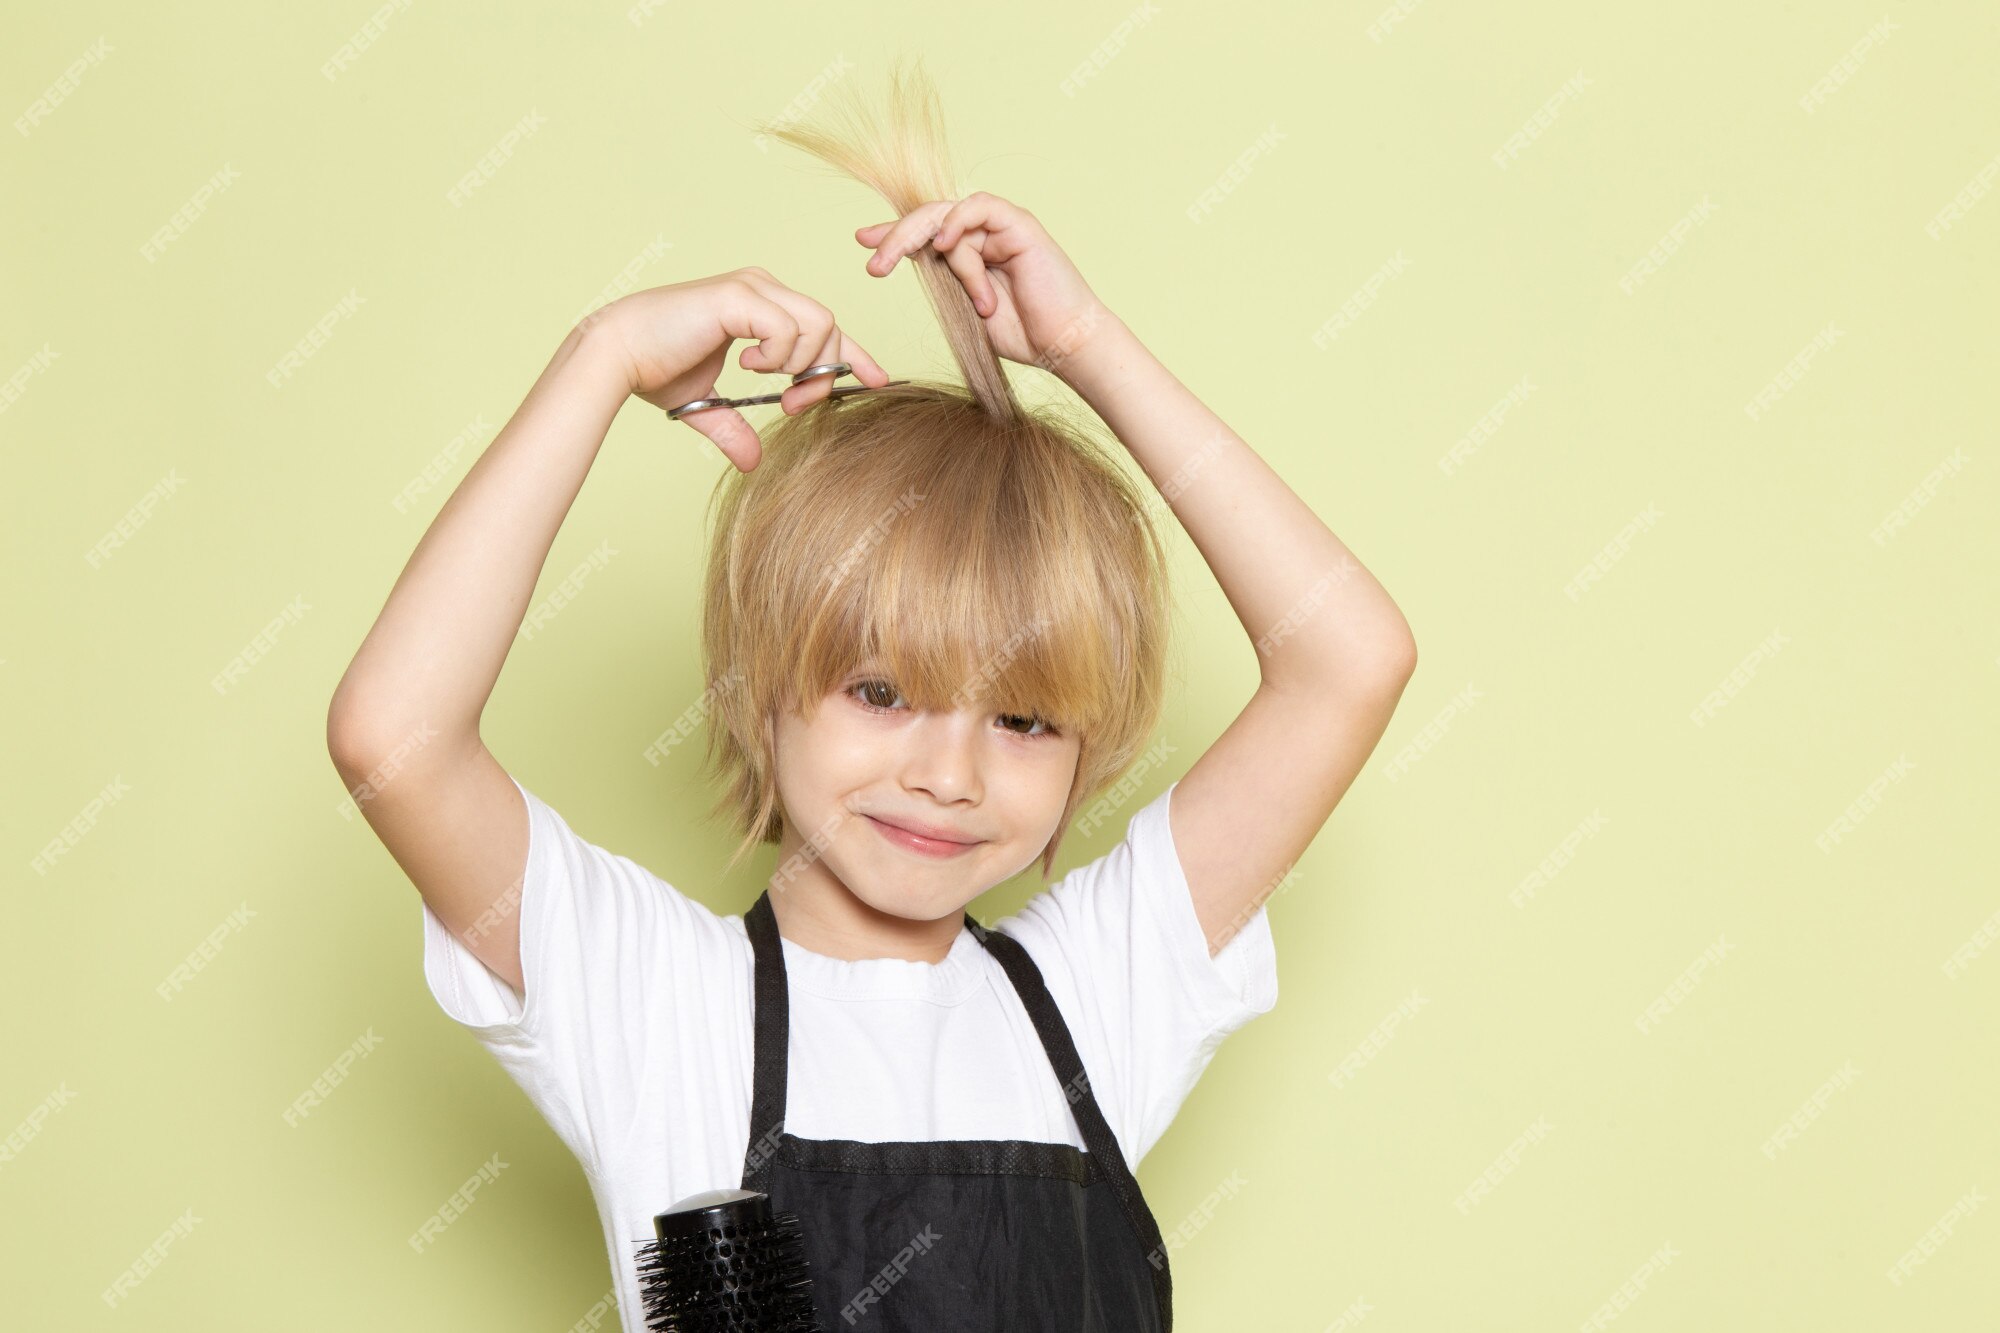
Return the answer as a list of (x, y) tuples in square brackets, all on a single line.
[(1006, 226), (800, 396), (972, 211), (753, 314), (865, 368), (870, 235), (907, 235), (970, 266), (811, 320), (731, 434), (839, 348), (815, 322)]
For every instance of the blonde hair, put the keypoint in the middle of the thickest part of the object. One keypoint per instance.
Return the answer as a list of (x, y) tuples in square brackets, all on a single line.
[(977, 551)]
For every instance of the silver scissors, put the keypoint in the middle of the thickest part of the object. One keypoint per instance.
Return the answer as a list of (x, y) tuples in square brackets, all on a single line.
[(833, 368)]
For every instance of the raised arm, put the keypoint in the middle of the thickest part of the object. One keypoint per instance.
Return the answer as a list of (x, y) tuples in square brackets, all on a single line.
[(1333, 652), (403, 725)]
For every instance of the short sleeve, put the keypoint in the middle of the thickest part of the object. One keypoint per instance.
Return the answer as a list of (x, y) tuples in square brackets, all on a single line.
[(1124, 955), (610, 954)]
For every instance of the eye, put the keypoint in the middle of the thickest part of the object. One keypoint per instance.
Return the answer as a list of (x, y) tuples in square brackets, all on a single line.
[(1046, 729), (864, 690)]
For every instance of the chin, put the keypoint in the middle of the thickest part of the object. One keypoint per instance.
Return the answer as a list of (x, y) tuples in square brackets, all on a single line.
[(912, 906), (909, 901)]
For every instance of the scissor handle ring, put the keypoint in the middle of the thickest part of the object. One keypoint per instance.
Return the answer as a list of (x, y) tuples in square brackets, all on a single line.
[(829, 368), (698, 405)]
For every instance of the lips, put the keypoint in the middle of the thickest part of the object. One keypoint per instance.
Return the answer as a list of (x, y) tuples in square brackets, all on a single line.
[(919, 837), (931, 831)]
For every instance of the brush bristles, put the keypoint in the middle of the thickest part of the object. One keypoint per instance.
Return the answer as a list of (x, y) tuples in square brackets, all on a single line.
[(730, 1279)]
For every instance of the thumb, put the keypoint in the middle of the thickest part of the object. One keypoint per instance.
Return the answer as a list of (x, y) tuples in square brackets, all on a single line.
[(731, 433)]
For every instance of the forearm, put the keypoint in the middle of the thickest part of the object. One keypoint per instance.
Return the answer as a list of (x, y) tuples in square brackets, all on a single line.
[(1317, 618), (437, 647)]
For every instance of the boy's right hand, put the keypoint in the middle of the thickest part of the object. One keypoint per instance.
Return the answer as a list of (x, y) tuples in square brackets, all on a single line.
[(674, 340)]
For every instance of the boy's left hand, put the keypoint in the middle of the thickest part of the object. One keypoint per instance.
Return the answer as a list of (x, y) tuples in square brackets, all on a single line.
[(1037, 307)]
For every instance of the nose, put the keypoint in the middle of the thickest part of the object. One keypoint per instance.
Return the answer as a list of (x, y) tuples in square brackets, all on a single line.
[(942, 756)]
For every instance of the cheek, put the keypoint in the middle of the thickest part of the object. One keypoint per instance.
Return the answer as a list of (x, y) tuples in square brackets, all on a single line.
[(1059, 775), (836, 747), (818, 760)]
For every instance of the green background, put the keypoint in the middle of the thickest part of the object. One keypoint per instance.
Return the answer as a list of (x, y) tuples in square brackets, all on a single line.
[(1301, 1201)]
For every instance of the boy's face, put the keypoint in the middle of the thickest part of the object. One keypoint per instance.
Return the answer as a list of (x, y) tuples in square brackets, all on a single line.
[(867, 759)]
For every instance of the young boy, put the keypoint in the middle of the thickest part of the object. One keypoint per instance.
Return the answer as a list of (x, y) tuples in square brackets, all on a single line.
[(933, 628)]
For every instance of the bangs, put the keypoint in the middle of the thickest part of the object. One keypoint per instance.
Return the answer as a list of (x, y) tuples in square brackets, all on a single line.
[(966, 641), (968, 573)]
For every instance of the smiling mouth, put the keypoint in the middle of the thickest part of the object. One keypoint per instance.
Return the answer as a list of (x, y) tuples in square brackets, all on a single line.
[(917, 842)]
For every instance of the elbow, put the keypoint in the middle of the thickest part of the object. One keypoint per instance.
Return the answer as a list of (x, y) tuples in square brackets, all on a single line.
[(1368, 672), (1401, 645), (346, 744), (1401, 661), (1390, 653), (357, 735), (363, 737), (1387, 671)]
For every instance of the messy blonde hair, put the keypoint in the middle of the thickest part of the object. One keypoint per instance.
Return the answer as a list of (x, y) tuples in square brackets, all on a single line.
[(979, 552)]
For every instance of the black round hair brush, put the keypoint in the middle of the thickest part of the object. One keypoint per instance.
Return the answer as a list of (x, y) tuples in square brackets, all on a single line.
[(724, 1262)]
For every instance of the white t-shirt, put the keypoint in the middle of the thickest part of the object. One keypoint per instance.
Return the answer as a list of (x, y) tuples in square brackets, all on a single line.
[(635, 1042)]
